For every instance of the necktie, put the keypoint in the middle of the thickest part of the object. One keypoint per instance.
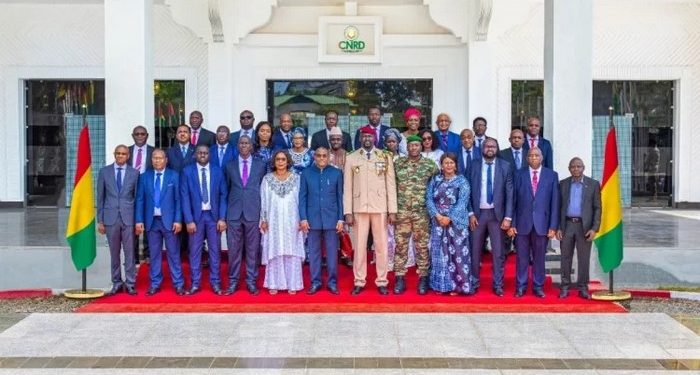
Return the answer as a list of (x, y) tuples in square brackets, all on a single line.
[(479, 145), (469, 157), (184, 151), (205, 187), (139, 157), (119, 179), (289, 140), (222, 150), (517, 159), (535, 181), (444, 140), (489, 183), (244, 176), (376, 136), (156, 191), (532, 142), (369, 155), (194, 137)]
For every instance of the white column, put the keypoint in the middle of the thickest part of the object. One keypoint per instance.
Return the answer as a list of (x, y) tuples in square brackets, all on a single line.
[(128, 70), (220, 88), (482, 91), (568, 80)]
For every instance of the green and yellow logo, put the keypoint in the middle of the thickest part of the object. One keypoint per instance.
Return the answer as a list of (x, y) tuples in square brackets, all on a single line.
[(351, 44)]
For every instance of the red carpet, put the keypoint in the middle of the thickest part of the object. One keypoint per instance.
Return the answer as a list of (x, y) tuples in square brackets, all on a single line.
[(325, 302)]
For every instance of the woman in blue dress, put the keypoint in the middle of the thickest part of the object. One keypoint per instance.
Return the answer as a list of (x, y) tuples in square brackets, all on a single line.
[(448, 204), (263, 143), (302, 156)]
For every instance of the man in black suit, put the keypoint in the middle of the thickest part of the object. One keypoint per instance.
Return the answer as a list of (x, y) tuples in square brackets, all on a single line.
[(514, 154), (246, 119), (140, 159), (374, 116), (321, 138), (579, 221), (492, 211), (199, 135), (282, 137)]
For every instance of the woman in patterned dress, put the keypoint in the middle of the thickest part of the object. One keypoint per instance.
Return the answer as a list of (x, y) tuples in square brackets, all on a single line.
[(302, 156), (282, 240), (448, 204), (263, 143)]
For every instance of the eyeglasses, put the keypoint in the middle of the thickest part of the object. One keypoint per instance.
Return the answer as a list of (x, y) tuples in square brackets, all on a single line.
[(246, 117), (428, 138)]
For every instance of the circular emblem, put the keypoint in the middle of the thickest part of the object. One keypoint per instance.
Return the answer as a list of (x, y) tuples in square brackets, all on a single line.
[(351, 32)]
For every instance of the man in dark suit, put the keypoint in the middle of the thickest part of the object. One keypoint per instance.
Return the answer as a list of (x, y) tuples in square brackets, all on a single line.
[(116, 194), (533, 139), (449, 141), (321, 215), (322, 137), (246, 119), (243, 177), (374, 116), (492, 206), (181, 153), (535, 220), (467, 153), (158, 215), (222, 151), (140, 158), (199, 135), (203, 195), (515, 154), (579, 221), (282, 136)]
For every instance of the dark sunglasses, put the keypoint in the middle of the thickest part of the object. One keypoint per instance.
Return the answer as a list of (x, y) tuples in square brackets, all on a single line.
[(246, 117)]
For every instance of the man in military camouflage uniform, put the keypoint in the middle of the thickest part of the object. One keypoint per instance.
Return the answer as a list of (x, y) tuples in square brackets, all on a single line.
[(412, 176)]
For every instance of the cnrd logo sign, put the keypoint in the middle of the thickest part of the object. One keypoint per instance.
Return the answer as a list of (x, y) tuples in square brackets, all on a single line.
[(352, 43)]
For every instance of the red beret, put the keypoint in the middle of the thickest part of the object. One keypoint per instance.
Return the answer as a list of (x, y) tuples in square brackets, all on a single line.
[(368, 130)]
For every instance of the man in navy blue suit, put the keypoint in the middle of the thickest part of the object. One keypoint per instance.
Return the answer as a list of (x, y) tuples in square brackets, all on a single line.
[(449, 141), (181, 153), (321, 215), (533, 140), (246, 119), (203, 194), (158, 214), (222, 151), (492, 211), (467, 153), (282, 137), (535, 220), (374, 117), (243, 176)]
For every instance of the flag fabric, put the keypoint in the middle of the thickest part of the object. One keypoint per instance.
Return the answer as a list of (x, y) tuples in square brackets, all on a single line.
[(80, 232), (609, 238)]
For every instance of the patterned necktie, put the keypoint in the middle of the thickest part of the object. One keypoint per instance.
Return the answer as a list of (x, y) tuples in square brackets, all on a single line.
[(222, 150), (535, 181), (139, 157), (489, 183), (517, 159), (444, 140), (156, 190), (244, 176), (119, 179), (532, 142), (205, 187), (194, 137)]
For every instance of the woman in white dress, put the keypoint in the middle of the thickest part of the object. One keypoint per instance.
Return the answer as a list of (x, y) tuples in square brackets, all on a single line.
[(430, 146), (412, 117), (282, 240)]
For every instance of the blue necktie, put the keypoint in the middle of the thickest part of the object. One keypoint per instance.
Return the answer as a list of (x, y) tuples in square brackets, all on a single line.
[(221, 156), (289, 140), (489, 184), (119, 179), (156, 191), (517, 159), (184, 151), (205, 187), (479, 145)]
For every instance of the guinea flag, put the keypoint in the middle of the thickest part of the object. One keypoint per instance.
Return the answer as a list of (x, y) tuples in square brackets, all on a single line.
[(609, 238), (80, 232)]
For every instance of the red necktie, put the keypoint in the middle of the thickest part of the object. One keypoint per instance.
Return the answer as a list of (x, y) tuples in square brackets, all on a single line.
[(194, 137), (535, 181), (532, 142)]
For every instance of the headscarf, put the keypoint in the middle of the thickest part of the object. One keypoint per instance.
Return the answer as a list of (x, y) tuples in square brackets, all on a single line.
[(411, 112)]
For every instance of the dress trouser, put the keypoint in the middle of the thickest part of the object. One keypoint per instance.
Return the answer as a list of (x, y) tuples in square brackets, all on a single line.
[(157, 234), (330, 240), (488, 225), (363, 223), (240, 234), (206, 229), (530, 245), (575, 237), (121, 235)]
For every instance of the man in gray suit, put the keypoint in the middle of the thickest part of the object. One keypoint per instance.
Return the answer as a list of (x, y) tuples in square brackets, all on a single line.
[(579, 222), (116, 192)]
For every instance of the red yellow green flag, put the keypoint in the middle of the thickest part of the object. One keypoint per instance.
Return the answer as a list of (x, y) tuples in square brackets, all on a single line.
[(609, 238), (80, 232)]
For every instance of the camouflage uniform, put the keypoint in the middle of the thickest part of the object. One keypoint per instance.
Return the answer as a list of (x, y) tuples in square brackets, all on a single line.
[(412, 218)]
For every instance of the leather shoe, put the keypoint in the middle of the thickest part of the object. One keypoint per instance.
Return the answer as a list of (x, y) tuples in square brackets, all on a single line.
[(216, 289), (230, 290), (313, 289), (383, 290), (519, 293), (584, 294), (423, 285), (346, 261), (130, 290), (539, 293), (180, 291), (115, 289), (333, 289), (356, 290), (563, 293), (498, 291), (253, 290), (193, 290), (152, 291), (399, 285)]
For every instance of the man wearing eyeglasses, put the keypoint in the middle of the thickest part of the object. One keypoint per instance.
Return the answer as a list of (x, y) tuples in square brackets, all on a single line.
[(140, 159), (246, 119)]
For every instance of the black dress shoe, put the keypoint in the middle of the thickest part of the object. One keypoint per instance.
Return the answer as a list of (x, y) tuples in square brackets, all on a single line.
[(253, 290), (563, 293), (180, 291), (230, 290), (498, 291), (383, 290), (152, 291), (399, 285), (130, 290), (519, 293), (313, 289), (193, 290), (115, 289), (423, 285), (584, 294), (333, 289), (539, 293), (356, 290), (346, 261)]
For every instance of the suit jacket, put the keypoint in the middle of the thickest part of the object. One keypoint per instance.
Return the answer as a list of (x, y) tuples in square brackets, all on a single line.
[(176, 161), (454, 144), (502, 188), (230, 153), (507, 155), (191, 194), (377, 142), (320, 138), (113, 204), (545, 147), (590, 207), (244, 202), (540, 212), (147, 160), (279, 140), (233, 141), (369, 185), (476, 156), (205, 137), (321, 196), (169, 198)]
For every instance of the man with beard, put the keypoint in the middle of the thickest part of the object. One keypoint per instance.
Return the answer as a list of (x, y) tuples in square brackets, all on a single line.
[(246, 119), (374, 116)]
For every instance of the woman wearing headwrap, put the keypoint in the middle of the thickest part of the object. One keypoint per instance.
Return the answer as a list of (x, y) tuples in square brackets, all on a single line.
[(392, 138), (412, 118), (302, 156)]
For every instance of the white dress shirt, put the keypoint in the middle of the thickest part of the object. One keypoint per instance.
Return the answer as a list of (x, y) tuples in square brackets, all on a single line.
[(205, 206)]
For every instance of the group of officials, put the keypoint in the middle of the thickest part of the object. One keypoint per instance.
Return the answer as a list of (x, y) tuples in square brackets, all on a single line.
[(439, 211)]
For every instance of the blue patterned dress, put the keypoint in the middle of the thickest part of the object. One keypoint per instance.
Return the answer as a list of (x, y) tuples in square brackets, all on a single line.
[(450, 258), (264, 153), (302, 159)]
